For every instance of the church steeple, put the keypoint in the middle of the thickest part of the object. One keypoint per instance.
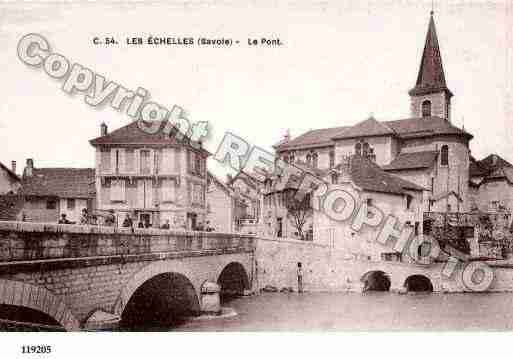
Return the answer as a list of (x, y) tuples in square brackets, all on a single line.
[(431, 96)]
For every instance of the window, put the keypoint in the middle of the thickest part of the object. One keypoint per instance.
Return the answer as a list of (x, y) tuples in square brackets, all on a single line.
[(117, 161), (334, 178), (168, 190), (432, 185), (309, 159), (358, 149), (71, 203), (409, 200), (51, 204), (444, 155), (363, 148), (145, 162), (332, 158), (427, 226), (315, 160), (105, 161), (426, 108), (369, 202), (129, 160), (291, 158), (156, 161), (195, 165), (417, 225), (117, 191)]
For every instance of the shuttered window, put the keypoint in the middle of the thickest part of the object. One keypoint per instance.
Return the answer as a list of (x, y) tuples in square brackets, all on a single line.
[(117, 191)]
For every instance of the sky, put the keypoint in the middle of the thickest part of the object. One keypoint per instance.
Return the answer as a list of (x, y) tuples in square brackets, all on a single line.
[(341, 61)]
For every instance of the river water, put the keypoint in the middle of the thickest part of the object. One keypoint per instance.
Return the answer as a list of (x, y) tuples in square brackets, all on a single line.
[(368, 311)]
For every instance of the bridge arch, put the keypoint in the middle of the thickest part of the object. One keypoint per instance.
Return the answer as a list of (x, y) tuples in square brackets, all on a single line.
[(376, 280), (418, 283), (145, 289), (20, 294), (233, 280)]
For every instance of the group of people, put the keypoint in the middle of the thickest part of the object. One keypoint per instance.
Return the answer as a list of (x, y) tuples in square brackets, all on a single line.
[(85, 218), (129, 223), (109, 220)]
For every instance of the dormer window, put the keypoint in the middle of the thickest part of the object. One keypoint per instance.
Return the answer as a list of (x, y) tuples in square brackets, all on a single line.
[(426, 108), (363, 149)]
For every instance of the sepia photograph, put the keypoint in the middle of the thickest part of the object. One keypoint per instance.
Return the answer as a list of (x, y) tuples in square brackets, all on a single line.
[(255, 166)]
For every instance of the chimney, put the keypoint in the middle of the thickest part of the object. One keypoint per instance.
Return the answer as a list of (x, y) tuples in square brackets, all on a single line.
[(29, 168), (13, 166), (103, 129)]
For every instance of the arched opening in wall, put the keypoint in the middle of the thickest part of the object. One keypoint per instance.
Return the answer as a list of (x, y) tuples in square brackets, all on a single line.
[(233, 280), (24, 319), (426, 108), (418, 283), (161, 302), (376, 281)]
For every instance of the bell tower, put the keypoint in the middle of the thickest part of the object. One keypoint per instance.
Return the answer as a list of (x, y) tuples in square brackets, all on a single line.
[(431, 96)]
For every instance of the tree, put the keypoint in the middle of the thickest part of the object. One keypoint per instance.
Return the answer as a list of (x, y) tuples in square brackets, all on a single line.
[(298, 209)]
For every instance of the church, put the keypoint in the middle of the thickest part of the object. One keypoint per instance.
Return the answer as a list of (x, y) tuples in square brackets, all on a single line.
[(425, 149)]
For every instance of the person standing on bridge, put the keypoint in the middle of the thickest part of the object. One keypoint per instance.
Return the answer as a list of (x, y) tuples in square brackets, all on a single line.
[(299, 278)]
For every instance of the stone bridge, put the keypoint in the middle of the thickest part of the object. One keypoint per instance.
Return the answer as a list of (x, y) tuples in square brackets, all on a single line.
[(71, 275), (326, 269)]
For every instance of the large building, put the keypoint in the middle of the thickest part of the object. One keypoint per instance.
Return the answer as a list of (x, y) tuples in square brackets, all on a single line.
[(45, 194), (151, 177), (426, 148)]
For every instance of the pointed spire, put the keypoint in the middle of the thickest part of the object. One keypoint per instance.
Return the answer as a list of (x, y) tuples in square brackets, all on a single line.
[(431, 77)]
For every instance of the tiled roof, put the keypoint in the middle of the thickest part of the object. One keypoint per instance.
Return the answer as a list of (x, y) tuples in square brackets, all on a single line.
[(369, 176), (59, 182), (489, 167), (425, 127), (132, 134), (311, 139), (413, 160), (10, 172), (367, 128), (407, 128), (431, 75)]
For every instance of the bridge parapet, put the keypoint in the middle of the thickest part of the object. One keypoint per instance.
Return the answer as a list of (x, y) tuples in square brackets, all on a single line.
[(25, 241)]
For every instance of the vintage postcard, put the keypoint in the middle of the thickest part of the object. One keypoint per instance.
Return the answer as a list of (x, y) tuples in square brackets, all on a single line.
[(295, 166)]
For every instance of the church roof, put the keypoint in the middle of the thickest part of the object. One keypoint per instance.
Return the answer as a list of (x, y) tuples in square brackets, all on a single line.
[(413, 160), (425, 127), (314, 138), (431, 77), (369, 127)]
